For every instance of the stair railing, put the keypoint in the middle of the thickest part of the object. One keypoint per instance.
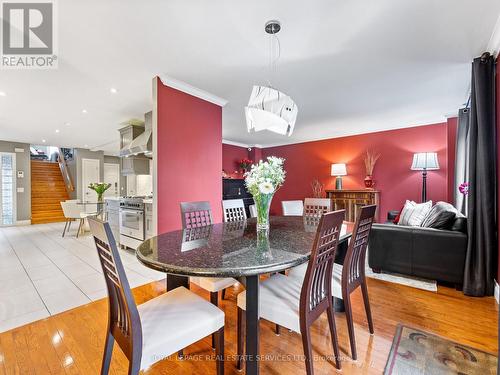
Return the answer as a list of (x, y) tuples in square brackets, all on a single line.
[(63, 166)]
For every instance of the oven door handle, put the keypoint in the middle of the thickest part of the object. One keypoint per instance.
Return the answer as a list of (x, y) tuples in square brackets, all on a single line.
[(134, 212)]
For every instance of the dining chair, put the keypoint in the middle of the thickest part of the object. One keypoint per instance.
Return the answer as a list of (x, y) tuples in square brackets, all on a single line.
[(253, 210), (73, 211), (197, 215), (154, 330), (292, 208), (352, 274), (315, 207), (296, 304), (234, 210)]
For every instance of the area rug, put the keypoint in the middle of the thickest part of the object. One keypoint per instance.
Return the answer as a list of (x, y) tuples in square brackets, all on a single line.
[(414, 282), (416, 352)]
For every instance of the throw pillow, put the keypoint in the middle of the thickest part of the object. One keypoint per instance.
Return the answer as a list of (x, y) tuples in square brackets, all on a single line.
[(441, 216), (413, 214)]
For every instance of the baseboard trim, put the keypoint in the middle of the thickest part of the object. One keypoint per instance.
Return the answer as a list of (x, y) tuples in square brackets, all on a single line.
[(497, 292), (23, 222)]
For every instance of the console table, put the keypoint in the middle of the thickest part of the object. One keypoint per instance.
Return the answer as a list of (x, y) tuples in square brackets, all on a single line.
[(352, 200)]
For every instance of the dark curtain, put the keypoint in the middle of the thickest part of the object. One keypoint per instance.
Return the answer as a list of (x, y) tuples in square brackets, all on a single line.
[(481, 258), (462, 158)]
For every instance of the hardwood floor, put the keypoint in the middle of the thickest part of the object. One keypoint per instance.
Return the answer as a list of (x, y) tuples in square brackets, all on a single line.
[(72, 342)]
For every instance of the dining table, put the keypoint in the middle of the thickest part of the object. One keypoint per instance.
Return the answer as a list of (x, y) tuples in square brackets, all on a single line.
[(236, 249)]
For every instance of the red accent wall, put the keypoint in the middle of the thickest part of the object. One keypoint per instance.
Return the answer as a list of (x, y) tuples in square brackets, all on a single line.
[(310, 160), (189, 154), (231, 156)]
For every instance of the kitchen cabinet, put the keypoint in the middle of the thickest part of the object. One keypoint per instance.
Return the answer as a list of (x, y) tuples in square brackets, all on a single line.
[(148, 220), (112, 210)]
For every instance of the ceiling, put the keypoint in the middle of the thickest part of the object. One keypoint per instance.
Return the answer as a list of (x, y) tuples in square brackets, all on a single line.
[(351, 66)]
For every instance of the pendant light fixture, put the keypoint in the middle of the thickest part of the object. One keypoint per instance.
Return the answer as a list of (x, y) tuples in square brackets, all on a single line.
[(268, 108)]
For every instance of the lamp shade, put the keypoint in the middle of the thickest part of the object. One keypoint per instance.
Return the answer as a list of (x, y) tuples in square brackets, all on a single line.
[(270, 109), (339, 169), (425, 160)]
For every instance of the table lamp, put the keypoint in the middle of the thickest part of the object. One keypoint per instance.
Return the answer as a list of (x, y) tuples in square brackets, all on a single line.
[(339, 170), (425, 161)]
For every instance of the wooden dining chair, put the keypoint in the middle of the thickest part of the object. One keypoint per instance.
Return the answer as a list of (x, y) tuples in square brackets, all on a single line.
[(197, 215), (157, 328), (351, 275), (296, 304), (234, 210), (315, 207)]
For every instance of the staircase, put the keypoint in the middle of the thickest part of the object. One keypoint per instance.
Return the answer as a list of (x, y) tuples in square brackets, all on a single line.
[(47, 191)]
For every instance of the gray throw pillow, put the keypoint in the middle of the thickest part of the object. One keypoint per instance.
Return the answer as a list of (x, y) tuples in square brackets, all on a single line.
[(413, 214), (441, 216)]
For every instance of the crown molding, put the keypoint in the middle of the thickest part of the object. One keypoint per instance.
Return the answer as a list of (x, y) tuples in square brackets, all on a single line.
[(494, 43), (232, 143), (191, 90)]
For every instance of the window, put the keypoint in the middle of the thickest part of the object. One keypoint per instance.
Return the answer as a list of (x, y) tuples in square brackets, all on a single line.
[(7, 185)]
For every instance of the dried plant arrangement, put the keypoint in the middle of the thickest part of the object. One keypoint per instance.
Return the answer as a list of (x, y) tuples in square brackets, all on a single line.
[(370, 161), (317, 188)]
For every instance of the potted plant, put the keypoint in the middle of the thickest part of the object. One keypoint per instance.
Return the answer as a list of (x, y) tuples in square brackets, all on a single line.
[(99, 188), (370, 161)]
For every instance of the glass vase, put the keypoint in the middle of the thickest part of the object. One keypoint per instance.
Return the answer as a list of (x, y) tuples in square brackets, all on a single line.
[(100, 197), (263, 204)]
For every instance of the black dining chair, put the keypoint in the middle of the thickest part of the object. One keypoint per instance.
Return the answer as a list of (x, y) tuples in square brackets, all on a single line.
[(296, 304), (157, 328)]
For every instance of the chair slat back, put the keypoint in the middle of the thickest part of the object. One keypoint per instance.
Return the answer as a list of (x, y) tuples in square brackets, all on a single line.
[(196, 214), (124, 321), (317, 287), (353, 272), (316, 207), (234, 210)]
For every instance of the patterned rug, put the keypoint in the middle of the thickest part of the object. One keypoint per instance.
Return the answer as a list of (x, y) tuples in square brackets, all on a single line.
[(416, 352)]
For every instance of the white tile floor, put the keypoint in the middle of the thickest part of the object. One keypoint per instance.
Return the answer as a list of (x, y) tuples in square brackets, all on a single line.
[(43, 274)]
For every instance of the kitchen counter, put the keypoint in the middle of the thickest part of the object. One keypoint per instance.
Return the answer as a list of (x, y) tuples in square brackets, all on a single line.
[(112, 198), (148, 201)]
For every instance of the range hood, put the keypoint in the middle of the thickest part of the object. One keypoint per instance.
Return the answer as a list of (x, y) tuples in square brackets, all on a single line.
[(143, 143)]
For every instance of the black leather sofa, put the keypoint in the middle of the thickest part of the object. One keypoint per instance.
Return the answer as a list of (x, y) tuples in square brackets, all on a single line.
[(428, 253)]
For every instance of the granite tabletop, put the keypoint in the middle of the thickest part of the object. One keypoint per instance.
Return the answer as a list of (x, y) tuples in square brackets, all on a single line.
[(232, 249)]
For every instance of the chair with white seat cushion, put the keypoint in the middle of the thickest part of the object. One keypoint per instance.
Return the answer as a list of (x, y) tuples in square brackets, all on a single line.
[(297, 303), (157, 328), (348, 277), (315, 207), (73, 211), (233, 210), (292, 208), (253, 210), (199, 215)]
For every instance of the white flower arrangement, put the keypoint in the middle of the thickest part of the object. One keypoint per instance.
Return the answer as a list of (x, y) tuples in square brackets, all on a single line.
[(266, 176)]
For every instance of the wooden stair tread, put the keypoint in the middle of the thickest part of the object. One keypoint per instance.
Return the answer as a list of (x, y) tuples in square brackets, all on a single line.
[(48, 190)]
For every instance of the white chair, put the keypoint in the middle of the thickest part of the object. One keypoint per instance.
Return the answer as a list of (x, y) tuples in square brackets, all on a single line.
[(253, 210), (292, 208), (157, 328), (234, 210), (73, 211)]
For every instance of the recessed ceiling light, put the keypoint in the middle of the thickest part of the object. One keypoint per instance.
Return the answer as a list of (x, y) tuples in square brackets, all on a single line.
[(84, 111), (86, 146), (43, 141), (57, 130), (112, 90), (67, 123), (2, 93)]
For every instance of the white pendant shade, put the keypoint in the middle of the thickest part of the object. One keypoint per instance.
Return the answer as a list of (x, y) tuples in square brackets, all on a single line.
[(270, 109), (425, 160)]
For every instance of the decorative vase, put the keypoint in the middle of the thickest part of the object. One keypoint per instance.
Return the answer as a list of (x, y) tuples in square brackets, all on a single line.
[(369, 183), (263, 204), (99, 197)]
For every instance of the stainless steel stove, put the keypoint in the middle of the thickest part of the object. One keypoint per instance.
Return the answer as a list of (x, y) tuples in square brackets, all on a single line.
[(132, 231)]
